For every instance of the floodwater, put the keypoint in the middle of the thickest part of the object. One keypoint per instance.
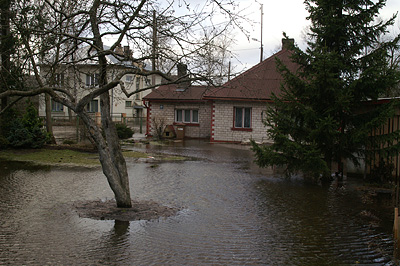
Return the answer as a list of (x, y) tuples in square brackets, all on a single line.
[(232, 214)]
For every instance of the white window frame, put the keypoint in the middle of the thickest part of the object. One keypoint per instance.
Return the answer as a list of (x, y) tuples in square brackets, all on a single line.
[(59, 80), (128, 78), (243, 117), (187, 116), (92, 80), (56, 106), (137, 83), (93, 106), (128, 104)]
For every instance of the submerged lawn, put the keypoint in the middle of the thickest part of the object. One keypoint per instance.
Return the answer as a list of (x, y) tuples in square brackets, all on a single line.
[(69, 157), (51, 156)]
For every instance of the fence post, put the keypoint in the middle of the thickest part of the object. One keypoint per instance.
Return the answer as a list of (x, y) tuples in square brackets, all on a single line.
[(396, 236), (123, 118), (77, 129)]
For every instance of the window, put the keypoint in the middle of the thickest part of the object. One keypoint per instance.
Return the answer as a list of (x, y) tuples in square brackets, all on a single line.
[(137, 83), (56, 107), (147, 81), (137, 96), (128, 104), (93, 106), (242, 117), (187, 116), (128, 78), (59, 80), (195, 116), (92, 80)]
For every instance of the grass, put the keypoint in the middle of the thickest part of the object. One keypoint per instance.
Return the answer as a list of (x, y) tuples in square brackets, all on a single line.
[(51, 156), (174, 158), (70, 157), (134, 154)]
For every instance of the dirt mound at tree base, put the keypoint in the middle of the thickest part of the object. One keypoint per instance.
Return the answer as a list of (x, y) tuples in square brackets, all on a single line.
[(107, 210)]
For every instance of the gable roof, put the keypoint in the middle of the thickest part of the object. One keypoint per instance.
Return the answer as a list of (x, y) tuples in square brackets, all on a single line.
[(173, 92), (257, 83), (87, 56)]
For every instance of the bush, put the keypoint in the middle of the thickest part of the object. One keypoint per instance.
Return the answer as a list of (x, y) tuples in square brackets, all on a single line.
[(382, 173), (27, 132), (3, 142), (123, 131)]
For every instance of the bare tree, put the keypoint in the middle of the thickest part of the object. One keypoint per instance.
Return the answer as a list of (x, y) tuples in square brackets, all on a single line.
[(212, 60), (58, 36)]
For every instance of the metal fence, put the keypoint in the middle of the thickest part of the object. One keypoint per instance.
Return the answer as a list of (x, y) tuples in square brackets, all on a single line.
[(71, 128)]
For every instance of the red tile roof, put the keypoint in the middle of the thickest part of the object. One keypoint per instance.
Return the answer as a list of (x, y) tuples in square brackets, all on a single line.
[(257, 83), (173, 93)]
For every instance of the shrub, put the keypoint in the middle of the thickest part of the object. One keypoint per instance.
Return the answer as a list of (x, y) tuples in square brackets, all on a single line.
[(123, 131), (3, 142), (382, 173), (27, 132)]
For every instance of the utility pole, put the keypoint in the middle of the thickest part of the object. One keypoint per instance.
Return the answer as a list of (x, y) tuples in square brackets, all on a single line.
[(262, 14), (229, 71), (154, 48), (5, 49)]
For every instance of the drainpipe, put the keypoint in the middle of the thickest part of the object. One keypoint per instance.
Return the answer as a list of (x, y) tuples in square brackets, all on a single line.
[(148, 110), (112, 97)]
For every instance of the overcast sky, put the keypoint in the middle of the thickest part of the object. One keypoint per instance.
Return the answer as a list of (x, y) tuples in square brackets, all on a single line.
[(280, 16)]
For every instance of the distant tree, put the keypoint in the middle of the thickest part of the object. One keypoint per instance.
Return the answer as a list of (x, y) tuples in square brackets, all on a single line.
[(212, 60), (208, 56), (9, 74), (319, 117)]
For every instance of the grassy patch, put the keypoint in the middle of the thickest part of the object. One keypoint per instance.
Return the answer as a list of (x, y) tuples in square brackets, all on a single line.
[(71, 157), (50, 156), (134, 154), (174, 158)]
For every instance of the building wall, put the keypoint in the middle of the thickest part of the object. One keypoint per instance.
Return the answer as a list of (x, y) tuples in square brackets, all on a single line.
[(75, 82), (165, 112), (223, 122)]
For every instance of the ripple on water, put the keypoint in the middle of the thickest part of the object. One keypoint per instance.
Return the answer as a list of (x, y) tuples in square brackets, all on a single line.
[(232, 215)]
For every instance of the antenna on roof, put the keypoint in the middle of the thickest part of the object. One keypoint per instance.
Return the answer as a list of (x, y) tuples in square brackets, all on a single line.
[(261, 37), (262, 14)]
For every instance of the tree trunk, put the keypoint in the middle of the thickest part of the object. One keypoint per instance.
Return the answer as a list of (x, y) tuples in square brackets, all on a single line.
[(110, 155), (111, 158), (114, 151), (5, 51), (49, 121)]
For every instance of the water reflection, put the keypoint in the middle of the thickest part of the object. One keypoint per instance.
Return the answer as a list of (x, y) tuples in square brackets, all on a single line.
[(233, 214)]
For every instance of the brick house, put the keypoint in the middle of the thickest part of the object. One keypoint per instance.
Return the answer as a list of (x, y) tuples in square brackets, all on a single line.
[(180, 107), (233, 112), (239, 106)]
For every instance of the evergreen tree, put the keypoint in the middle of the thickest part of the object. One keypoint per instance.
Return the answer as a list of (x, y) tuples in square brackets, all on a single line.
[(320, 116)]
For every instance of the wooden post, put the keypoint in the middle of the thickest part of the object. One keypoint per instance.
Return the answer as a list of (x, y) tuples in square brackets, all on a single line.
[(396, 235), (78, 137), (123, 118), (141, 125)]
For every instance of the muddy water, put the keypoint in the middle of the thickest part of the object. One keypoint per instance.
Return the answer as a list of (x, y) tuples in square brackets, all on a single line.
[(233, 214)]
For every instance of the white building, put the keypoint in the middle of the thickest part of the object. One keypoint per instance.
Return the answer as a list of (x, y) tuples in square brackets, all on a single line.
[(81, 76)]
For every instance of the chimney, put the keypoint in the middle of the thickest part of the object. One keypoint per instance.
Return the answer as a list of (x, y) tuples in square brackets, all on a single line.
[(287, 44), (118, 50), (127, 52), (182, 72)]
